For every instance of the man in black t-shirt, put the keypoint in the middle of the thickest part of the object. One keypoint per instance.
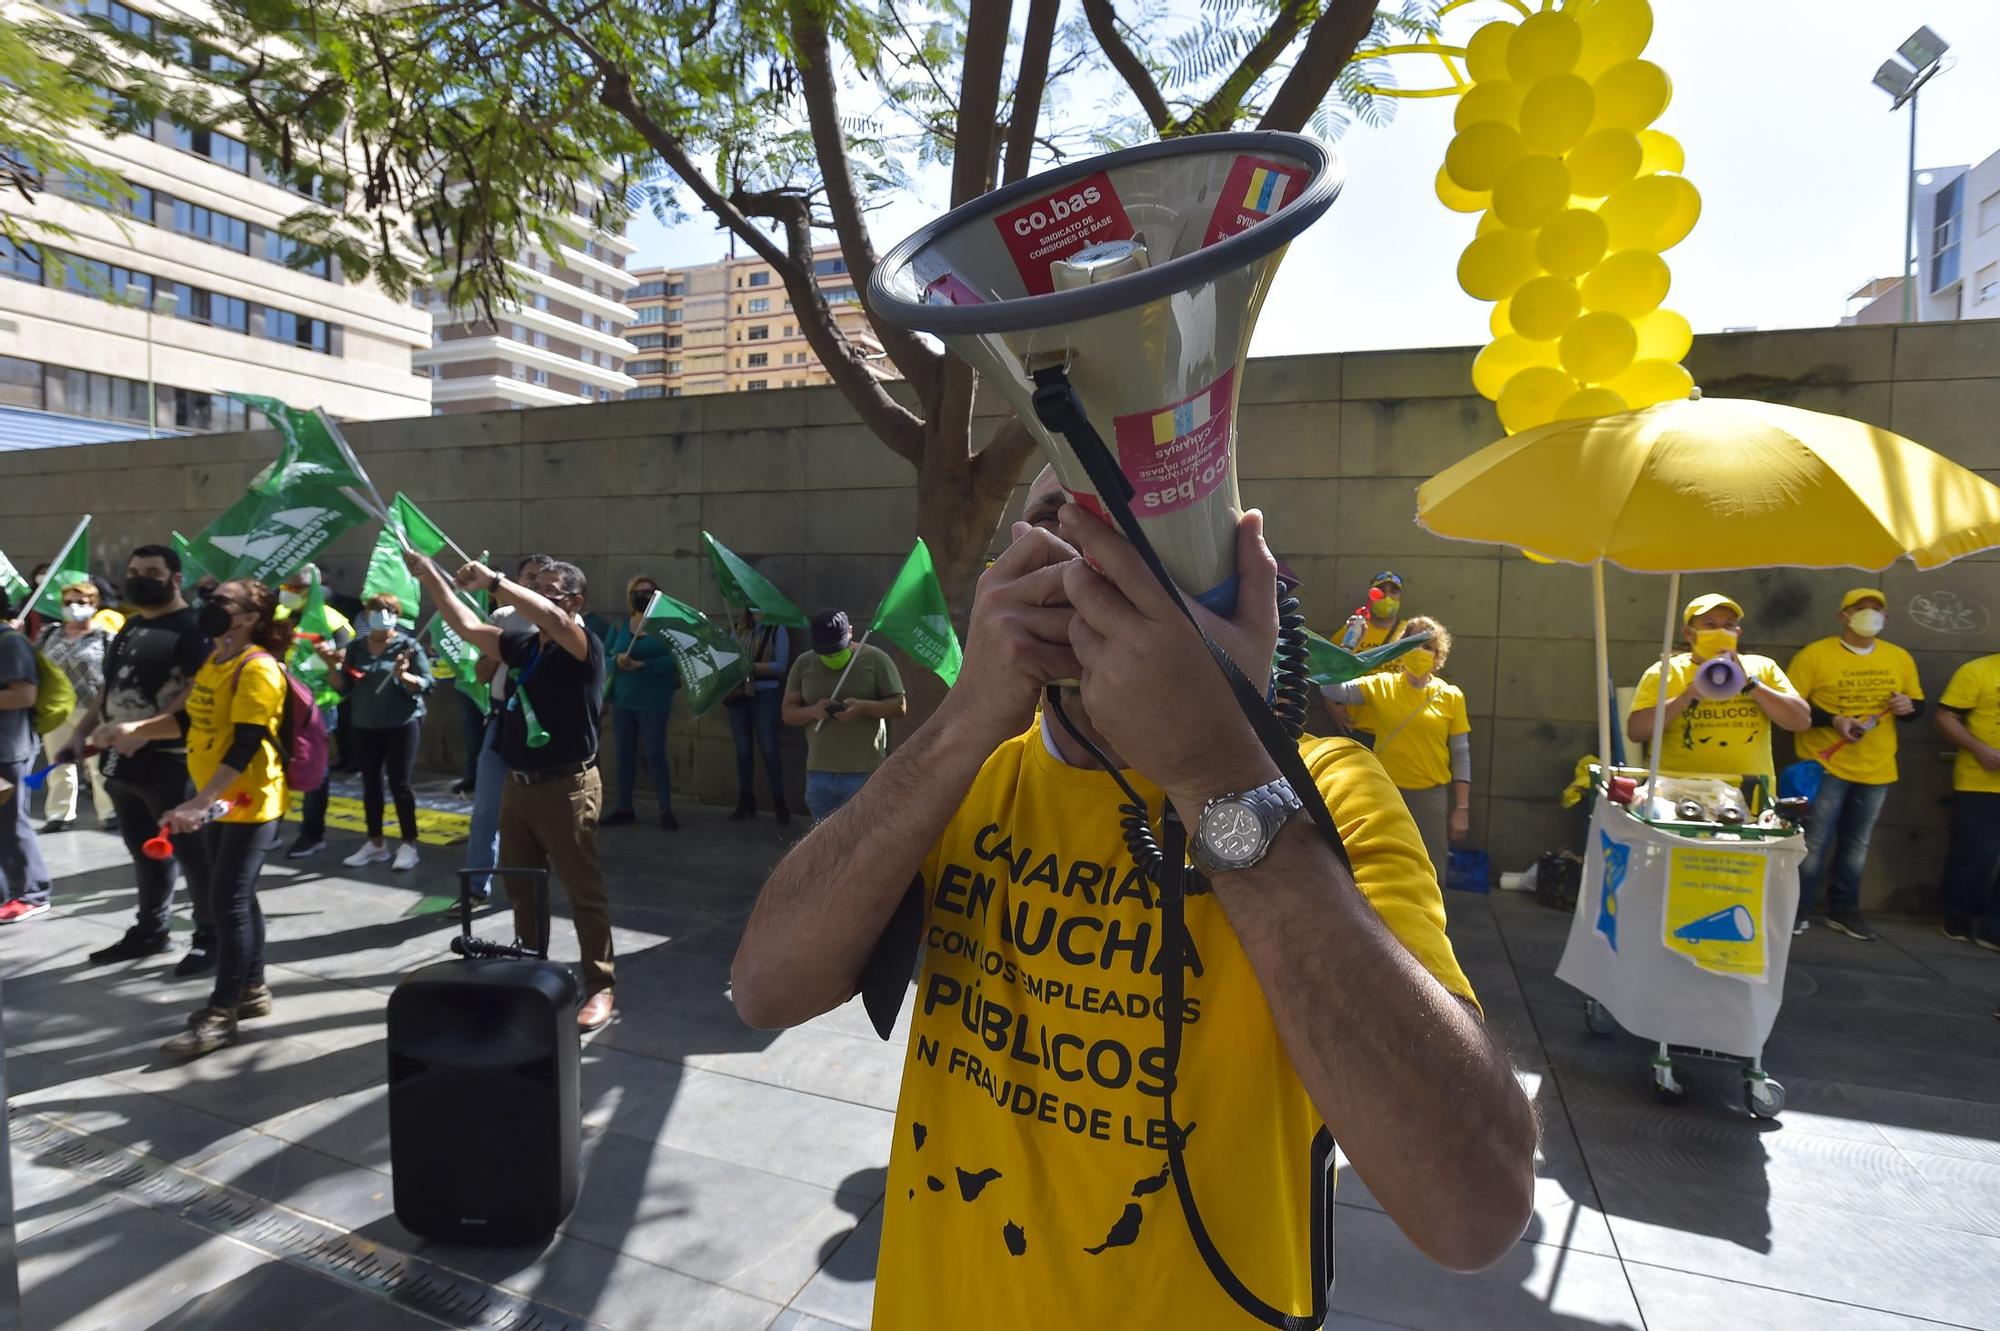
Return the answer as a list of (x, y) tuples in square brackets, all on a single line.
[(147, 671), (548, 739)]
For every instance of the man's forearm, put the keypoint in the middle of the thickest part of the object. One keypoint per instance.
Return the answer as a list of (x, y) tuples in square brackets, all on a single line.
[(457, 615), (824, 907), (1785, 711), (18, 695)]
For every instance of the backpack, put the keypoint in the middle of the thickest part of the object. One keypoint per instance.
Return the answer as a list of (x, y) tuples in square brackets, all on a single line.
[(55, 696), (302, 743)]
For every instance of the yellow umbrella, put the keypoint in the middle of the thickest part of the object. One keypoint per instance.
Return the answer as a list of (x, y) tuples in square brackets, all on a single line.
[(1710, 484)]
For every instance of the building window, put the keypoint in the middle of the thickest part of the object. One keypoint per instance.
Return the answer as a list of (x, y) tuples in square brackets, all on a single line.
[(539, 300), (1989, 212), (299, 330), (676, 287), (1987, 284), (673, 341), (760, 333), (759, 359), (760, 279), (828, 267), (673, 367), (1946, 207), (756, 384), (21, 262), (673, 316), (645, 289), (196, 410), (118, 16), (642, 392), (645, 367), (230, 233), (791, 330), (648, 340), (760, 305), (213, 144), (673, 392), (538, 377), (647, 314), (20, 382)]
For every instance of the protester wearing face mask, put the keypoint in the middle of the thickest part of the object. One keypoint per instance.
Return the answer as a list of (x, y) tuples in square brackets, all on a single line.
[(1381, 621), (1422, 737), (75, 646), (231, 720), (754, 713), (330, 649), (1853, 682), (1726, 736), (25, 882), (854, 689), (386, 676), (643, 680)]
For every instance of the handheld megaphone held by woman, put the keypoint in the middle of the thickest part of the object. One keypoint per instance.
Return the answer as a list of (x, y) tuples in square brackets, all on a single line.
[(1719, 677)]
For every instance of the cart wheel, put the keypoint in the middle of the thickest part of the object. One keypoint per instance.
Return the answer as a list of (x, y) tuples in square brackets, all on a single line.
[(1763, 1096), (1667, 1086), (1597, 1018)]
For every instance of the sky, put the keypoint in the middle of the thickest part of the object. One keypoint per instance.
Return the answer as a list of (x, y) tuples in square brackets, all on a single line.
[(1799, 161)]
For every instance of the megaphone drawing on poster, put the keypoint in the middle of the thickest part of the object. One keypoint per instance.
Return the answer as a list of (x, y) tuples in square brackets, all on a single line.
[(1732, 924), (1137, 278)]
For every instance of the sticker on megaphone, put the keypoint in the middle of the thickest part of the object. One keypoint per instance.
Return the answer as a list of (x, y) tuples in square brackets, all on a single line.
[(1731, 924), (1720, 677)]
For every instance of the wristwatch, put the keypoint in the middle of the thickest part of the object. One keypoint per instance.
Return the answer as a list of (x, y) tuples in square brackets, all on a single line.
[(1235, 831)]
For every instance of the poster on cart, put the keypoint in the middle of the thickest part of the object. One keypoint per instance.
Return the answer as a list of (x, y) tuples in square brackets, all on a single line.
[(1715, 914)]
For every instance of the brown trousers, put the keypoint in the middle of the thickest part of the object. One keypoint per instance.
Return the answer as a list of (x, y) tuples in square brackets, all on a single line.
[(553, 825)]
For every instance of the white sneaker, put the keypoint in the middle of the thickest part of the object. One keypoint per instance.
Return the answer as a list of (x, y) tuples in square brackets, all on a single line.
[(406, 857), (367, 855)]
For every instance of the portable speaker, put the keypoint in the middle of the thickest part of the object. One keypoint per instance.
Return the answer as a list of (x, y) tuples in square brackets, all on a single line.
[(484, 1131)]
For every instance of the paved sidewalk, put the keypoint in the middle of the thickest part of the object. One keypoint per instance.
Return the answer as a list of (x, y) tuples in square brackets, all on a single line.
[(734, 1178)]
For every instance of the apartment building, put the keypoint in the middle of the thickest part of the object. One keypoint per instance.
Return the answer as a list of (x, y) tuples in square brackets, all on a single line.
[(728, 327), (1957, 248)]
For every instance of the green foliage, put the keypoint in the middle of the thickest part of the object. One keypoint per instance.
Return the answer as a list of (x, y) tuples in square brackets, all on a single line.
[(42, 107)]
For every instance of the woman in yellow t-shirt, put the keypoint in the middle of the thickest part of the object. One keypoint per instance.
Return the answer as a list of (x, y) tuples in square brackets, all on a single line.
[(231, 719), (1422, 737)]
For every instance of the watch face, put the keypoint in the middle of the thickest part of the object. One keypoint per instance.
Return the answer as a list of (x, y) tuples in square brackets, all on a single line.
[(1232, 833)]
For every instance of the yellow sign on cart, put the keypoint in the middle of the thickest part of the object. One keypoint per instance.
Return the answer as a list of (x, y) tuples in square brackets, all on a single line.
[(1714, 912)]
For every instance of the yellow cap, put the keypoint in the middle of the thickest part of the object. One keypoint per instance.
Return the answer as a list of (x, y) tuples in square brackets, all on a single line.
[(1701, 605), (1862, 594)]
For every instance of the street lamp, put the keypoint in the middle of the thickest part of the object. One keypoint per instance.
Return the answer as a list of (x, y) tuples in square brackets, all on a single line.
[(163, 303), (1903, 78)]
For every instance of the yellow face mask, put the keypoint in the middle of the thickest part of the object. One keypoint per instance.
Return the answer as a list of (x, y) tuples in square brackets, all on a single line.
[(1713, 642), (1419, 661)]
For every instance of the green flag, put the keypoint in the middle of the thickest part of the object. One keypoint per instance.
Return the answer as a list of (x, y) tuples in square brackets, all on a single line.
[(71, 567), (425, 536), (914, 616), (310, 627), (388, 573), (191, 568), (462, 656), (12, 583), (1330, 664), (266, 536), (747, 589), (711, 663), (312, 452)]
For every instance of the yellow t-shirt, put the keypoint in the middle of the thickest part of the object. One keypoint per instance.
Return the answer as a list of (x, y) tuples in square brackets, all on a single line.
[(1975, 690), (1729, 737), (1027, 1183), (1835, 678), (218, 702), (1414, 726)]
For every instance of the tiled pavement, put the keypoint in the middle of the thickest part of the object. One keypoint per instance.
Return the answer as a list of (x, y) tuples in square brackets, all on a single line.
[(734, 1178)]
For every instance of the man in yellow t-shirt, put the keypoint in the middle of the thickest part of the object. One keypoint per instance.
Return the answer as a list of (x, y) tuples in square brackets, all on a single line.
[(1724, 736), (1853, 682), (1379, 619), (1969, 716), (1030, 1181)]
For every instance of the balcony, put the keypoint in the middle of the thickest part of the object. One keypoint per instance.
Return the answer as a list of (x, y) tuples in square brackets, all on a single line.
[(490, 347), (542, 321), (480, 387), (569, 293)]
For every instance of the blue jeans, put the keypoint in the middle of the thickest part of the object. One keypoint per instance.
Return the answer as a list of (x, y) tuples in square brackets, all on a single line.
[(757, 720), (24, 875), (827, 791), (1843, 817), (1972, 865), (637, 732), (482, 840)]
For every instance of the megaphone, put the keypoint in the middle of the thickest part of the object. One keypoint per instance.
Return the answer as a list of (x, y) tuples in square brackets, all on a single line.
[(1719, 677), (1731, 924), (1128, 286)]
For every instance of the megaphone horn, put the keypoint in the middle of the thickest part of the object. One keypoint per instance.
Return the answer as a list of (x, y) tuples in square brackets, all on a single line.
[(1719, 677), (1114, 297)]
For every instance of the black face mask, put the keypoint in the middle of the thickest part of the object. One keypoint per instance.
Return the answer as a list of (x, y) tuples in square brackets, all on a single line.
[(640, 600), (215, 619), (148, 592)]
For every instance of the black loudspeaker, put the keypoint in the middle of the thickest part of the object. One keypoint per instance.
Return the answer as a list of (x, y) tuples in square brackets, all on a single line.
[(483, 1108)]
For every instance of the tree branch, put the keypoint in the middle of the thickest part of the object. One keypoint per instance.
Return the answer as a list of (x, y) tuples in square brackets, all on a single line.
[(1329, 46), (979, 98), (1104, 26), (1029, 84), (1222, 106)]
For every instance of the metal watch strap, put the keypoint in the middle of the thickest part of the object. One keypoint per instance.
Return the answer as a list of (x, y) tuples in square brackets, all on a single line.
[(1275, 802)]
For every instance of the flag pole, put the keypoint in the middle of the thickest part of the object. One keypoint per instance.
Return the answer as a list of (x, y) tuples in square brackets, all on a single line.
[(861, 641), (55, 566)]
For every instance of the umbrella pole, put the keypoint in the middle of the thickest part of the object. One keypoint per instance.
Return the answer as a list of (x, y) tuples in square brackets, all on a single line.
[(1660, 702), (1603, 672)]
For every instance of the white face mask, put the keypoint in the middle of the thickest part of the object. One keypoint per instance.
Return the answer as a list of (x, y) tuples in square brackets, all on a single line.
[(378, 621), (77, 613), (290, 599), (1867, 623)]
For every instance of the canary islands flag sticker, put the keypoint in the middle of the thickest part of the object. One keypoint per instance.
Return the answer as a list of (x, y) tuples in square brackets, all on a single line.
[(1714, 912)]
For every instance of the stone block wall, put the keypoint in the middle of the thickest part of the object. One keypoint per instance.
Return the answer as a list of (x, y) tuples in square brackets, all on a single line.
[(1332, 448)]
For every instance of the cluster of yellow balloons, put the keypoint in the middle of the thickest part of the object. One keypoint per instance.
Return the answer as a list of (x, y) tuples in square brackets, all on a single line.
[(1578, 198)]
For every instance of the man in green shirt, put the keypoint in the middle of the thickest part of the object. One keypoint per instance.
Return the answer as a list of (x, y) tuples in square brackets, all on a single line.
[(843, 692)]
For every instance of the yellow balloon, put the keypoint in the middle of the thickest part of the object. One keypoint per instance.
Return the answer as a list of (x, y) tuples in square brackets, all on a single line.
[(1501, 322), (1660, 151), (1648, 381), (1613, 30), (1498, 100), (1479, 153), (1663, 335), (1544, 307), (1488, 222), (1532, 396), (1495, 265), (1486, 52), (1555, 113), (1599, 346), (1630, 282), (1506, 357), (1456, 199), (1590, 402), (1631, 94), (1530, 191), (1604, 160), (1651, 213), (1546, 43), (1571, 242)]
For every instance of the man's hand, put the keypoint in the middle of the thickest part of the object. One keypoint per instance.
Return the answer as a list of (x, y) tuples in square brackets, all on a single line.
[(1987, 756), (327, 652), (1460, 826), (118, 735), (1148, 682), (189, 817), (1902, 704), (1018, 641), (1848, 729), (473, 575), (625, 661)]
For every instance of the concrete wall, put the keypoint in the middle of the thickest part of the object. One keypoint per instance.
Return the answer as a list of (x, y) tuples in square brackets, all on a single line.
[(1333, 448)]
